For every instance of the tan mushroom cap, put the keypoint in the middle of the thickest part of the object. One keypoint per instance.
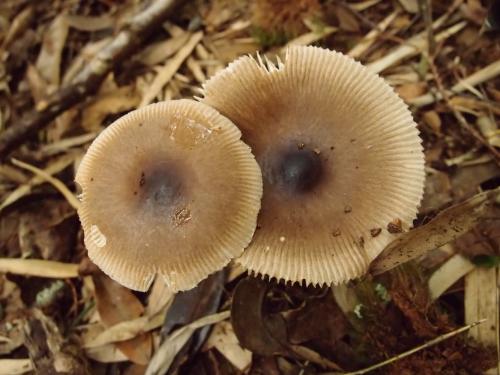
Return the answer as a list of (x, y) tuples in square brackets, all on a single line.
[(340, 156), (168, 189)]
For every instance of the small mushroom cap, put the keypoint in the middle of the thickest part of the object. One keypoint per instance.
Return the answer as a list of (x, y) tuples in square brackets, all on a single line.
[(168, 189), (340, 156)]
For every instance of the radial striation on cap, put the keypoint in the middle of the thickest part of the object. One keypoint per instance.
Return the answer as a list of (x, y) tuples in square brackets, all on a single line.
[(168, 189), (340, 155)]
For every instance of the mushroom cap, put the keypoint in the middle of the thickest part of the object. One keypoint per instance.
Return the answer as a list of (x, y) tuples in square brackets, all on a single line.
[(168, 189), (340, 155)]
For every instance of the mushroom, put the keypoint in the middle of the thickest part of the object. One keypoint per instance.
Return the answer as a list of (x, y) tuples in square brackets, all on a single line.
[(340, 155), (168, 189)]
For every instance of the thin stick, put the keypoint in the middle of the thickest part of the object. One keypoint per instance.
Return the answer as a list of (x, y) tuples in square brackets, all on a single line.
[(458, 115), (417, 42), (38, 268), (483, 75), (128, 42), (426, 10), (428, 344), (413, 47), (370, 38), (63, 189)]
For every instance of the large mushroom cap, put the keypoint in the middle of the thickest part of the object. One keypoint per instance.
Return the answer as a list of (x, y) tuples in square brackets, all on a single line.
[(340, 155), (168, 189)]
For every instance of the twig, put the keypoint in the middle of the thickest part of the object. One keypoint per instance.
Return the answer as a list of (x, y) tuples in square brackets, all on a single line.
[(418, 42), (166, 73), (435, 341), (128, 41), (458, 115), (38, 268), (414, 46), (426, 10), (483, 75), (56, 166), (63, 189), (372, 36)]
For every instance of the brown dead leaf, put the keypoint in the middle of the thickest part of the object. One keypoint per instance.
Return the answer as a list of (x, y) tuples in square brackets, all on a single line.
[(83, 58), (432, 119), (18, 25), (273, 16), (219, 12), (11, 331), (48, 350), (123, 331), (437, 191), (135, 369), (494, 92), (159, 297), (475, 105), (347, 20), (63, 123), (167, 71), (447, 226), (226, 342), (483, 240), (369, 39), (411, 90), (411, 6), (160, 51), (119, 100), (226, 52), (38, 86), (49, 60), (195, 303), (190, 305), (110, 296), (489, 128), (16, 366), (164, 356), (90, 23), (43, 228), (474, 11), (116, 304), (256, 331), (434, 154), (466, 180), (311, 37), (106, 354), (345, 297)]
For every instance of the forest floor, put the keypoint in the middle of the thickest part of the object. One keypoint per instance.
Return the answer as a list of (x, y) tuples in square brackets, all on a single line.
[(60, 314)]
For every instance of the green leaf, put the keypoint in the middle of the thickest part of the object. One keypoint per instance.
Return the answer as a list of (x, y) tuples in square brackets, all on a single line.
[(488, 261), (382, 292)]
